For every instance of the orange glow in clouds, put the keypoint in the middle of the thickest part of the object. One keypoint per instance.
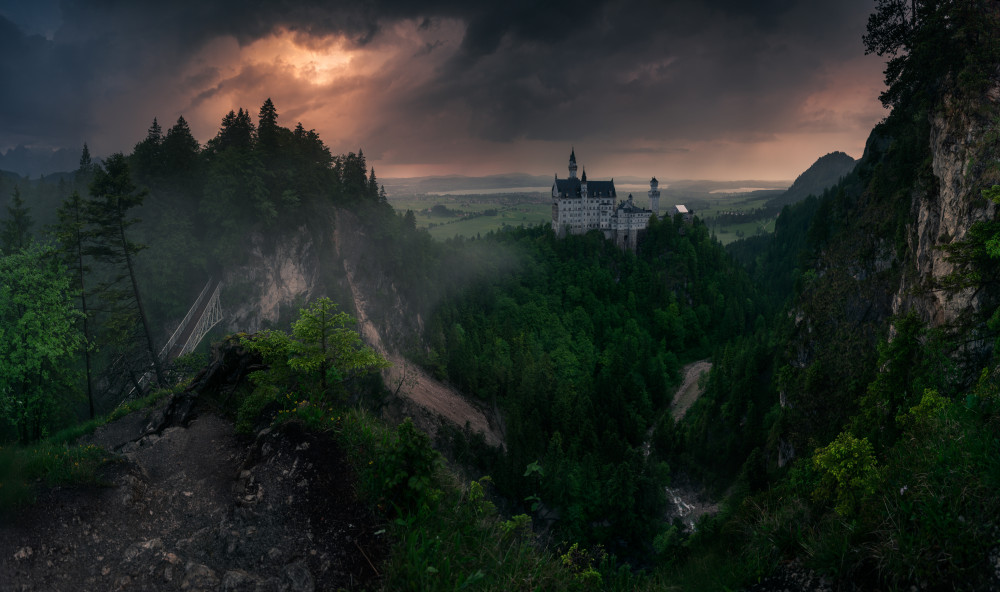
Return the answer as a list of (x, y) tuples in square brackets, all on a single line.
[(320, 63), (348, 93), (356, 96)]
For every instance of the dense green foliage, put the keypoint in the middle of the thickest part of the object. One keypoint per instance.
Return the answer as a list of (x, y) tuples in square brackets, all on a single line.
[(37, 341), (875, 468), (580, 343), (314, 364)]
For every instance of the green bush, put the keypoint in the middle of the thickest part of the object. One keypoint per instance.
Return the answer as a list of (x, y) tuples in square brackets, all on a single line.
[(848, 473), (406, 466)]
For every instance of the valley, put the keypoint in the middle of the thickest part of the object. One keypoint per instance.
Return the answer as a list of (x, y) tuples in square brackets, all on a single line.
[(416, 383)]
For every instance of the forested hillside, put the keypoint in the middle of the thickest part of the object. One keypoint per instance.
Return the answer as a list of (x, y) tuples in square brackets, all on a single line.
[(823, 173), (135, 238), (876, 460), (580, 344), (849, 425)]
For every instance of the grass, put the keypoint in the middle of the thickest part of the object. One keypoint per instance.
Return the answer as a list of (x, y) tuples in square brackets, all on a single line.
[(23, 468), (530, 209), (728, 232), (470, 212), (56, 461), (525, 215)]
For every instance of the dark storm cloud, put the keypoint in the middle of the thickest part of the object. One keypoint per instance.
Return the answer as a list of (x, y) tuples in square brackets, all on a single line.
[(554, 71), (695, 70)]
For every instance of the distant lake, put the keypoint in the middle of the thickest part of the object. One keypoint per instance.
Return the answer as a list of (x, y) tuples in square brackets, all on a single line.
[(745, 189), (492, 191)]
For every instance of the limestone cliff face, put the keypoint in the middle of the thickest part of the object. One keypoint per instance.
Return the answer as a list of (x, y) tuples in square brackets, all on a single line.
[(329, 255), (281, 273), (944, 212)]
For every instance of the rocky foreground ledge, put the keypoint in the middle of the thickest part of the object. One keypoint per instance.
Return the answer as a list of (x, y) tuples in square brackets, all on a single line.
[(192, 506)]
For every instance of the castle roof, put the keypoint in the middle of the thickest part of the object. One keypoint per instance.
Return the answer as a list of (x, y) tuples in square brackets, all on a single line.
[(629, 207), (571, 188)]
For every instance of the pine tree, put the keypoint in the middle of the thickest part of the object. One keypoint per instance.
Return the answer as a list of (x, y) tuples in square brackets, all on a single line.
[(113, 195), (181, 152), (86, 163), (155, 133), (86, 170), (71, 234), (353, 172), (237, 131), (147, 158), (267, 128), (372, 185), (16, 232)]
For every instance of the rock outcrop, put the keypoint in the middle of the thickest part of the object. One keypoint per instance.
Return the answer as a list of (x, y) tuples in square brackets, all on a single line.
[(280, 271), (944, 212)]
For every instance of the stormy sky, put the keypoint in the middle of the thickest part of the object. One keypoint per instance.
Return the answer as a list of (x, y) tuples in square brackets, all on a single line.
[(723, 89)]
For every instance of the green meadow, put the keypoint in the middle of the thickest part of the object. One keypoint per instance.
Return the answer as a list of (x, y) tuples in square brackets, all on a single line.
[(730, 216)]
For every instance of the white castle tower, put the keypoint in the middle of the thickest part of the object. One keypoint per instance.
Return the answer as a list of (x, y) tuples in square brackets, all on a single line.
[(654, 196)]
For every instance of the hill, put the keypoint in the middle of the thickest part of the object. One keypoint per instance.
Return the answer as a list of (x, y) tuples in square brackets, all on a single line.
[(823, 173), (26, 161)]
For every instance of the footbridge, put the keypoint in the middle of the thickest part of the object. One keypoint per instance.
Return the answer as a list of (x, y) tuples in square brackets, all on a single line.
[(204, 314)]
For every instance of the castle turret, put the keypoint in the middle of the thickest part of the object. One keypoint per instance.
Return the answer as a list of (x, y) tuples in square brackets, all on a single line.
[(583, 183), (654, 196), (572, 164)]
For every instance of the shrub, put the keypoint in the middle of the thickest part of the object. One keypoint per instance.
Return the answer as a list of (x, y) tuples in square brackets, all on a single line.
[(848, 473)]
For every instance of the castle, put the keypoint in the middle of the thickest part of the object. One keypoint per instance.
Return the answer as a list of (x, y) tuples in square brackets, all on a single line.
[(579, 206)]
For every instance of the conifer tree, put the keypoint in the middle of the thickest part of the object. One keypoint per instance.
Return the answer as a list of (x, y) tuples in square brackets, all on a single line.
[(16, 231), (237, 131), (147, 158), (372, 185), (71, 234), (180, 148), (267, 128), (86, 169), (113, 195)]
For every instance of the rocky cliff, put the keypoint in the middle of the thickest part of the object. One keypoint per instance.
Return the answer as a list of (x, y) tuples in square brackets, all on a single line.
[(943, 212), (282, 271), (333, 254)]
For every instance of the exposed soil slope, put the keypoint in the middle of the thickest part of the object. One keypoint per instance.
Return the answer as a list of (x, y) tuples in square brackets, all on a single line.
[(427, 394), (689, 391)]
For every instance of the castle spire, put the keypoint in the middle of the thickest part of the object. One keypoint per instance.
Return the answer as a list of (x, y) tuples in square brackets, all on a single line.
[(572, 163)]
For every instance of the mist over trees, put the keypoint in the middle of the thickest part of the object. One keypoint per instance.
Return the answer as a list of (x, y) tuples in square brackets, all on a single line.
[(137, 234), (847, 437)]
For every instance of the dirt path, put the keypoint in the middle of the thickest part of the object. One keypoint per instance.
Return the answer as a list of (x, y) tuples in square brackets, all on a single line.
[(196, 508), (689, 391), (413, 382)]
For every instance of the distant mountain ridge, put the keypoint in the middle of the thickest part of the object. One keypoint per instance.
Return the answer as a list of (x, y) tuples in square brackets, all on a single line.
[(458, 183), (823, 173), (32, 162)]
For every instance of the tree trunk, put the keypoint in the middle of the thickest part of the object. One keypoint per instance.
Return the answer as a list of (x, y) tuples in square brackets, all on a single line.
[(83, 306), (138, 301)]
